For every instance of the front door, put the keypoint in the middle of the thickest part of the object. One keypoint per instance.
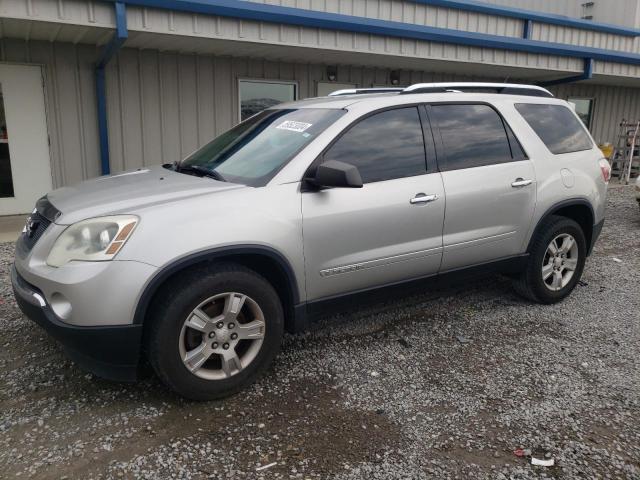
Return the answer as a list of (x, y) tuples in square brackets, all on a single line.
[(388, 231), (25, 169), (489, 182)]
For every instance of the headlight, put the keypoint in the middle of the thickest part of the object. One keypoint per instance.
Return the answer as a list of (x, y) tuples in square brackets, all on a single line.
[(93, 240)]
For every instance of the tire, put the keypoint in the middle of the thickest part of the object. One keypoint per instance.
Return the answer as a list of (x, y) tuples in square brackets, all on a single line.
[(531, 283), (170, 340)]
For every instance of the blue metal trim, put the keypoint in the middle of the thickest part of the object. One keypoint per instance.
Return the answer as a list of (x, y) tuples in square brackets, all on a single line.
[(333, 21), (527, 28), (109, 51), (586, 75), (489, 9)]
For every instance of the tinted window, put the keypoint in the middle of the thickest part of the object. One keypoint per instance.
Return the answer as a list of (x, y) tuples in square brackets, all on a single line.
[(253, 151), (556, 126), (383, 146), (472, 135)]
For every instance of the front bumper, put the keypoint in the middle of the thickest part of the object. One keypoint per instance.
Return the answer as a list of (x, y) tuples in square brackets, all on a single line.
[(111, 352)]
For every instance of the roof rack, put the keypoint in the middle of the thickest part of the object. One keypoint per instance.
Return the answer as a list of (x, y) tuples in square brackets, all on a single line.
[(479, 87), (454, 87), (361, 91)]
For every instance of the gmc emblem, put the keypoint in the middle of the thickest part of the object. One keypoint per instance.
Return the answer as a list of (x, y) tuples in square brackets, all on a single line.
[(31, 227)]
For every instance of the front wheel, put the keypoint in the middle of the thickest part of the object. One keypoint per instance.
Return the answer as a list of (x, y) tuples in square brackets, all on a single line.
[(214, 331), (556, 261)]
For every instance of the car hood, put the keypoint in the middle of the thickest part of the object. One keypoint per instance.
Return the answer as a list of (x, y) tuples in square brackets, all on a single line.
[(130, 191)]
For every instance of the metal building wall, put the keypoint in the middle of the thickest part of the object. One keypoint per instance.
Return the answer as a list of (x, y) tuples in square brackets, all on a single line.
[(83, 21), (162, 106), (616, 12), (70, 104), (408, 11), (612, 104), (570, 8)]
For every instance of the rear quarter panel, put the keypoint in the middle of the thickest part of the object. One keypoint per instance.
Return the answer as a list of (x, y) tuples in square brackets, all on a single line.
[(560, 178)]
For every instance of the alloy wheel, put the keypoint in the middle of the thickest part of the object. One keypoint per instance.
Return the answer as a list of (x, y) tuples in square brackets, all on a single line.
[(560, 262), (222, 336)]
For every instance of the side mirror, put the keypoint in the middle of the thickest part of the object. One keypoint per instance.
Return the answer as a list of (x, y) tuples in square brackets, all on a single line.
[(336, 174)]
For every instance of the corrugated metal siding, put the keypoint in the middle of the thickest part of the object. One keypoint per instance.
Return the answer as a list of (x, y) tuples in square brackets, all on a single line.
[(90, 13), (70, 104), (570, 8), (80, 21), (612, 104), (162, 106), (408, 11), (188, 25), (616, 12), (411, 12)]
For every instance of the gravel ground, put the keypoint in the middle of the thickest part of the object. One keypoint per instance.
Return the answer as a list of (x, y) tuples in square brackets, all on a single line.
[(445, 384)]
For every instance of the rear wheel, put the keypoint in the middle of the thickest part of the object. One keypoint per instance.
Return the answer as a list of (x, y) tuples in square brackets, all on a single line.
[(214, 331), (556, 261)]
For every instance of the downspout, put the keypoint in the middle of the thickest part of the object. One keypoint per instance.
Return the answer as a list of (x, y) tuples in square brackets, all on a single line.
[(109, 51), (586, 75)]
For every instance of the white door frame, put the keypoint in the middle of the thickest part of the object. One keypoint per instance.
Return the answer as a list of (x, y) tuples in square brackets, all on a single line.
[(26, 119)]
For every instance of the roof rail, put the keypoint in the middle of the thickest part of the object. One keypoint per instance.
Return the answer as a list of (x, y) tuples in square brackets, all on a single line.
[(479, 87), (360, 91)]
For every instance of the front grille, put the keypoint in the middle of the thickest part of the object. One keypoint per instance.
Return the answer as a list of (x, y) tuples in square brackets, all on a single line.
[(44, 214), (36, 226)]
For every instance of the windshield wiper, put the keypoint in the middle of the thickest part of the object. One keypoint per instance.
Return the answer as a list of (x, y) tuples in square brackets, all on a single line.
[(202, 171)]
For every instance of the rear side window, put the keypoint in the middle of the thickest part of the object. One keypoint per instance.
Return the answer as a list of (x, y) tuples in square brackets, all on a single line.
[(384, 146), (556, 126), (472, 136)]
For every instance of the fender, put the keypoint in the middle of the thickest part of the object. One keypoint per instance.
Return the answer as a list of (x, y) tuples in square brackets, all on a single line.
[(211, 254), (557, 206)]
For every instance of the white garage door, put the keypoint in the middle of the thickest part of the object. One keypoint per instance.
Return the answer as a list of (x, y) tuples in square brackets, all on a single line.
[(25, 166)]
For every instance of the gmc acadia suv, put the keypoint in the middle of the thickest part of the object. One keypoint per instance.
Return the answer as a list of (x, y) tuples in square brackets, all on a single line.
[(198, 267)]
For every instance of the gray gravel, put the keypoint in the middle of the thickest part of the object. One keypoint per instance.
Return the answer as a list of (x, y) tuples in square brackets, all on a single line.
[(445, 384)]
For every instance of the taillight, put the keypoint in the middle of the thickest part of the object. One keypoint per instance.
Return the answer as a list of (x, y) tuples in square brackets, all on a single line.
[(605, 169)]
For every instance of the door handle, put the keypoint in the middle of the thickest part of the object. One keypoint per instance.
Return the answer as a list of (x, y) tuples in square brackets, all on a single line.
[(521, 182), (422, 198)]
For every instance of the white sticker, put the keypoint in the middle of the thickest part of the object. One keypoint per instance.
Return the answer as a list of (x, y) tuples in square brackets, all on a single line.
[(294, 126)]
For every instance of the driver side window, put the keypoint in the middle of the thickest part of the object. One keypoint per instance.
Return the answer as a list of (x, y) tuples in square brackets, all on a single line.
[(384, 146)]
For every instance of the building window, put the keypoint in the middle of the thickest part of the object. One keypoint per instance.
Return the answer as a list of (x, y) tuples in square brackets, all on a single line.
[(584, 109), (258, 95)]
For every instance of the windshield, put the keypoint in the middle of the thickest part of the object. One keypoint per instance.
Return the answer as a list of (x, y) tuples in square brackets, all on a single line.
[(253, 151)]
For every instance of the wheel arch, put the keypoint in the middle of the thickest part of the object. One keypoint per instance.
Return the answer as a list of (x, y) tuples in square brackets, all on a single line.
[(264, 260), (578, 209)]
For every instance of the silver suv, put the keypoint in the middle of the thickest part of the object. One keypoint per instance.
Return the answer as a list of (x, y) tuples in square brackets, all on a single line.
[(199, 266)]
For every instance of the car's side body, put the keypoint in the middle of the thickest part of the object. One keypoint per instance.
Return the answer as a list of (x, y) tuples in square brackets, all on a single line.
[(315, 245)]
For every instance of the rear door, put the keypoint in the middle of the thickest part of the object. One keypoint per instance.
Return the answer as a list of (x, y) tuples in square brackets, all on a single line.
[(391, 229), (489, 182)]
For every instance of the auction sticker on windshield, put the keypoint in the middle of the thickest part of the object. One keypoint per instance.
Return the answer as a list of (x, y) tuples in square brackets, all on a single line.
[(294, 126)]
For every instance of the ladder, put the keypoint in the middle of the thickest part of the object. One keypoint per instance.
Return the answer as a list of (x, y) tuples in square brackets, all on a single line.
[(625, 158)]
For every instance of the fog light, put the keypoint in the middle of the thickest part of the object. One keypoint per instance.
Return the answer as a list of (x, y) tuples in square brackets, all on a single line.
[(60, 305)]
